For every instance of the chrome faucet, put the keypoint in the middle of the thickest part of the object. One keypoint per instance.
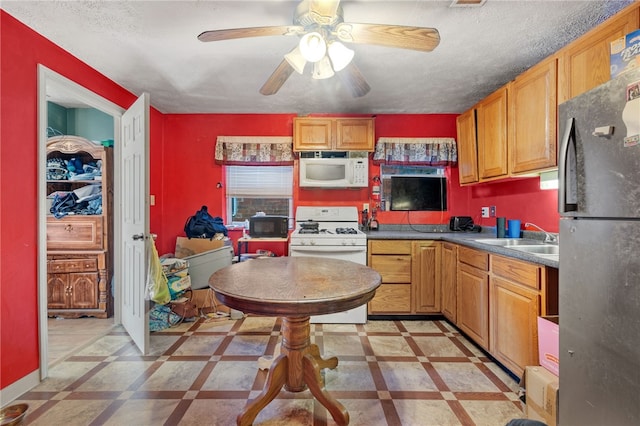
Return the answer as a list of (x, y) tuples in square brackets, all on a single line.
[(549, 238)]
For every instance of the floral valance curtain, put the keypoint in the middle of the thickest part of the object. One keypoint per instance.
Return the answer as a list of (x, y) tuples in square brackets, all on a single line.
[(421, 151), (254, 150)]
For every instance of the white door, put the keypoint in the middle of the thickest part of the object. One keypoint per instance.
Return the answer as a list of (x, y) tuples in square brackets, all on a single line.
[(135, 221)]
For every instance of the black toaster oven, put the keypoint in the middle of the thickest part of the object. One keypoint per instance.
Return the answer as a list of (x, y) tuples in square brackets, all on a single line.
[(268, 226)]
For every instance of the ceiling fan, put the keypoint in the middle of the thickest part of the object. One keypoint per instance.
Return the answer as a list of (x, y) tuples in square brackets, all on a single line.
[(321, 27)]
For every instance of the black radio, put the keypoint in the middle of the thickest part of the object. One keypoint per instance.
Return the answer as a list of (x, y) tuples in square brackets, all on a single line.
[(268, 226)]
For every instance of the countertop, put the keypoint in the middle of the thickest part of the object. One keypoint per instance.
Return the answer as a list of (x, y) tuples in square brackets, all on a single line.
[(442, 233)]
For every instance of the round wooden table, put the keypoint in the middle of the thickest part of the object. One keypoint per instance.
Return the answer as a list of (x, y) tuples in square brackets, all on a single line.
[(295, 288)]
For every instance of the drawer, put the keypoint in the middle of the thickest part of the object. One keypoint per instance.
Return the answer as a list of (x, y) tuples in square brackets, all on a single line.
[(391, 298), (74, 232), (390, 247), (516, 271), (72, 265), (392, 268), (476, 258)]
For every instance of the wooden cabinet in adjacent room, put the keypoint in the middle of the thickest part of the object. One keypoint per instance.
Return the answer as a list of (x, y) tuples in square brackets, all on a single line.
[(449, 280), (73, 281), (473, 294), (340, 134), (80, 229)]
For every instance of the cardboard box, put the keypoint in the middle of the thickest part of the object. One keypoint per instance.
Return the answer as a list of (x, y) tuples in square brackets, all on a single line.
[(625, 53), (542, 390), (206, 301), (190, 246), (549, 343), (203, 265)]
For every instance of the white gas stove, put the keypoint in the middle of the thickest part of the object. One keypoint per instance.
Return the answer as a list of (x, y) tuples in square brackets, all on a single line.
[(331, 232)]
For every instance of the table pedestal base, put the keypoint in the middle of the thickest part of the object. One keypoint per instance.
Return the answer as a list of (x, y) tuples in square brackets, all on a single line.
[(297, 368)]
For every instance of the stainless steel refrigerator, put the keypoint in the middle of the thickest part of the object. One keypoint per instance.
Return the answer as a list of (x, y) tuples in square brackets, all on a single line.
[(599, 203)]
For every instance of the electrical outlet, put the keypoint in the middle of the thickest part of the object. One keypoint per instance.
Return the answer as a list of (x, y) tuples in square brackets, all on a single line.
[(492, 211), (365, 206), (485, 212)]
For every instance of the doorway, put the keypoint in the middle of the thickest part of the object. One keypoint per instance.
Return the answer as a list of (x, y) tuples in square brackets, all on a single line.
[(59, 338)]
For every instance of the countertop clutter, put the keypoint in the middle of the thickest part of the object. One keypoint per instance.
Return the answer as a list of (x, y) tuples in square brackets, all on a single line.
[(484, 240)]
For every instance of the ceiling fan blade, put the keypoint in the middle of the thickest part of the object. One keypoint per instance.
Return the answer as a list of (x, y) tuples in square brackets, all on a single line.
[(415, 38), (217, 35), (277, 79), (324, 12), (354, 80)]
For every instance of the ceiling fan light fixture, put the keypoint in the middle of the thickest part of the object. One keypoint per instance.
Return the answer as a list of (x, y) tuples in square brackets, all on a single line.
[(296, 60), (340, 55), (322, 69), (313, 47)]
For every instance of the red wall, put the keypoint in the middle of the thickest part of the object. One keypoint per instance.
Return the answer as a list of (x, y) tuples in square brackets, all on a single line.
[(183, 177), (21, 51)]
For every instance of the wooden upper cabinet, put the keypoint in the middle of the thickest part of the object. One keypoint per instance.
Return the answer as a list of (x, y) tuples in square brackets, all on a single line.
[(312, 134), (492, 135), (532, 119), (584, 64), (341, 134), (467, 147)]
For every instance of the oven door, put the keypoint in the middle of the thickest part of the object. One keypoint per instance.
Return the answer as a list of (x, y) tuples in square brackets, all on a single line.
[(357, 254)]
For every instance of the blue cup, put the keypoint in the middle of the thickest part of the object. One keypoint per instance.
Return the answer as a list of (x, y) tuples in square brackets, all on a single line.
[(513, 231)]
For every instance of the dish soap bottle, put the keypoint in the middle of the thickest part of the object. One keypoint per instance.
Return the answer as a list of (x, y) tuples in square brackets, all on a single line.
[(373, 223)]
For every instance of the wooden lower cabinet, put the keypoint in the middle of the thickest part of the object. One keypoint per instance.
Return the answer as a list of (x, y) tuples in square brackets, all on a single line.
[(473, 303), (495, 300), (426, 276), (515, 306), (77, 285), (391, 299), (513, 330), (448, 281), (392, 260), (410, 272)]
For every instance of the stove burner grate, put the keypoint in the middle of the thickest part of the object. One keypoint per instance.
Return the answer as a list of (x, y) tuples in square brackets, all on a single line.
[(346, 231)]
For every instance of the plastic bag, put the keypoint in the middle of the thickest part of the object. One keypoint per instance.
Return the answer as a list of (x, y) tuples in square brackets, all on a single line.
[(157, 283)]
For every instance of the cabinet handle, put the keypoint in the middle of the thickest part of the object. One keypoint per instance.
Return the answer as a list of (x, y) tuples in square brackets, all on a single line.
[(68, 228)]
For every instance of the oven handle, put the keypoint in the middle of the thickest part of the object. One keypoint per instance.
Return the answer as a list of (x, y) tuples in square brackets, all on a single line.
[(328, 249)]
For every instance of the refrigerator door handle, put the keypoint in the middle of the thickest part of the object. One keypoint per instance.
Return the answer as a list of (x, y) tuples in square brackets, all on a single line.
[(567, 170)]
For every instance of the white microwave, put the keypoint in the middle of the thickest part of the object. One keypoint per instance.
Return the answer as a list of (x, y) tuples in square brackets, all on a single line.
[(334, 172)]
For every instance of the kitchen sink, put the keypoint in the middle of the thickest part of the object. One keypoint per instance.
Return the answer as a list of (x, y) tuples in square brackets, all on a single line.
[(509, 242), (539, 249)]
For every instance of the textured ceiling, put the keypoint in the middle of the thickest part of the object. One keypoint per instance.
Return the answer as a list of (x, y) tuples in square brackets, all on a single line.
[(151, 46)]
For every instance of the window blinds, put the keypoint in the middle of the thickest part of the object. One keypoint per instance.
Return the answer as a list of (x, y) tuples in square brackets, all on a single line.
[(260, 181)]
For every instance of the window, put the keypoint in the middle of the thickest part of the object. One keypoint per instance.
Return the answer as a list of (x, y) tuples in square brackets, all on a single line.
[(252, 189)]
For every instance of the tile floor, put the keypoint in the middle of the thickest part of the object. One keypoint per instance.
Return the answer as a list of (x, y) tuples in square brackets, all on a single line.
[(202, 373), (66, 336)]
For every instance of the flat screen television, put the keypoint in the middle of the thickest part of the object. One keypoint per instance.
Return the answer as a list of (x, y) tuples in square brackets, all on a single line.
[(418, 193)]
